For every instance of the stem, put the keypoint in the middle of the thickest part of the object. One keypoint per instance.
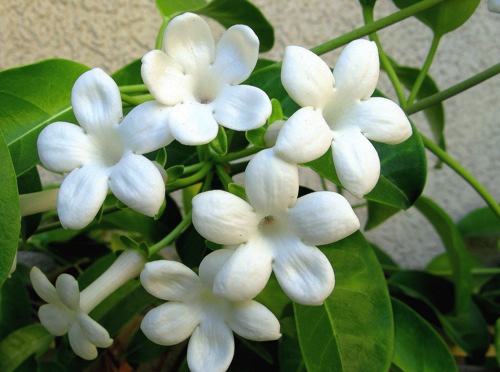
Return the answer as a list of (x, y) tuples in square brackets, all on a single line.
[(223, 176), (452, 91), (174, 234), (237, 155), (132, 100), (474, 271), (38, 202), (385, 62), (425, 69), (188, 181), (135, 88), (161, 32), (462, 172), (193, 168)]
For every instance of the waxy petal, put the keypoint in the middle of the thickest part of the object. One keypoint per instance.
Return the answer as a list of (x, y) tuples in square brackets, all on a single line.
[(57, 319), (357, 69), (170, 323), (68, 291), (81, 196), (79, 343), (304, 272), (211, 347), (63, 147), (223, 218), (241, 107), (189, 41), (93, 331), (169, 280), (42, 286), (271, 184), (145, 128), (306, 77), (304, 137), (192, 123), (237, 53), (253, 321), (96, 101), (211, 265), (138, 183), (322, 217), (356, 162)]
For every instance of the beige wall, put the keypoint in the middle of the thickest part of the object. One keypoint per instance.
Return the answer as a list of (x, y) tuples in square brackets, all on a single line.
[(108, 34)]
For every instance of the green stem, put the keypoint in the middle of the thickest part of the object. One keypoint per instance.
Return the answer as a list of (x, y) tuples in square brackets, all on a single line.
[(132, 100), (188, 181), (172, 236), (223, 176), (135, 88), (425, 69), (452, 91), (159, 37), (237, 155), (188, 169), (462, 172), (474, 271), (385, 62)]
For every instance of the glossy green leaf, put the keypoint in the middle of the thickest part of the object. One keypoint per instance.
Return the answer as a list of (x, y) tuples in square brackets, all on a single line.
[(379, 213), (417, 346), (33, 96), (129, 74), (19, 345), (444, 17), (170, 8), (161, 157), (481, 222), (383, 258), (454, 245), (356, 320), (289, 354), (219, 143), (9, 210)]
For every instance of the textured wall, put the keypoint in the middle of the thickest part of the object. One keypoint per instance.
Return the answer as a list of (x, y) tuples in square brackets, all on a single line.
[(108, 34)]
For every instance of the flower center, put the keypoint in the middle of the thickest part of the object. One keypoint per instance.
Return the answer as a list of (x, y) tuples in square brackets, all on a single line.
[(109, 149), (206, 88)]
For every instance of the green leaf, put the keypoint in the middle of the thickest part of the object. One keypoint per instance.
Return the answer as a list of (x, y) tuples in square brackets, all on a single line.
[(444, 17), (256, 137), (454, 245), (481, 222), (33, 96), (170, 8), (353, 329), (219, 143), (129, 74), (19, 345), (383, 257), (238, 190), (417, 346), (379, 213), (289, 354), (174, 173), (161, 157), (9, 210), (497, 340)]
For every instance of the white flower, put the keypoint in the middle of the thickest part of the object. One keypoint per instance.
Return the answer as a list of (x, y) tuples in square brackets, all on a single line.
[(276, 232), (66, 309), (494, 6), (101, 153), (200, 80), (195, 311), (337, 111)]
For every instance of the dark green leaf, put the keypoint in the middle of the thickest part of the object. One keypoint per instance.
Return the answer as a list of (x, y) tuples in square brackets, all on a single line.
[(497, 340), (33, 96), (171, 8), (379, 213), (383, 257), (417, 346), (356, 320), (289, 353), (481, 222), (129, 74), (19, 345), (174, 173), (161, 157), (9, 209), (191, 247)]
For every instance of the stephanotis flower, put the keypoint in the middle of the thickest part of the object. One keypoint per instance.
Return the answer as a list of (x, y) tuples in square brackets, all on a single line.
[(337, 111), (103, 153), (199, 80), (67, 309), (275, 231), (195, 311)]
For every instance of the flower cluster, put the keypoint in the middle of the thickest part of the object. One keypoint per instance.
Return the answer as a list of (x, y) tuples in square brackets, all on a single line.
[(196, 87)]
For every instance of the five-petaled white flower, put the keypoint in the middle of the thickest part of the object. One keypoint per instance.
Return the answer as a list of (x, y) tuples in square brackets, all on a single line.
[(274, 231), (195, 311), (337, 111), (103, 153), (198, 81), (67, 309)]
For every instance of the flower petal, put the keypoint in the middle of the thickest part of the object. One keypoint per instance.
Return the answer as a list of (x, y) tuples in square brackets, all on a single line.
[(138, 183), (211, 347), (253, 321), (223, 218), (170, 323), (63, 147), (304, 272), (271, 184), (145, 128), (272, 132), (68, 291), (96, 101), (241, 107), (79, 343), (304, 137), (306, 77), (246, 273), (193, 123), (57, 319), (42, 286), (169, 280), (164, 78), (382, 120), (322, 217), (93, 331), (81, 195), (237, 53), (356, 162), (190, 42), (211, 264), (357, 69)]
